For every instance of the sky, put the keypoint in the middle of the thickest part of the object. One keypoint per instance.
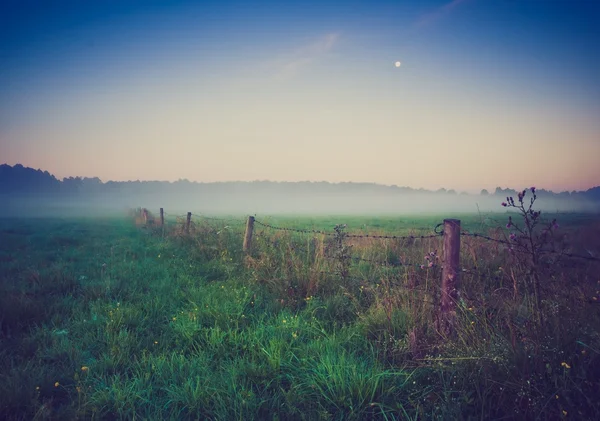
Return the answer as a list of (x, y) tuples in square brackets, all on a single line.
[(489, 92)]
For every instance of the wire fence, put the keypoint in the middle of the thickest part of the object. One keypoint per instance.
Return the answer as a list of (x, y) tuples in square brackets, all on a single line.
[(436, 233)]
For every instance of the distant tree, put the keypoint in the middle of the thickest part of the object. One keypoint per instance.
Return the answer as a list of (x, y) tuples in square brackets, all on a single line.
[(505, 192), (484, 192)]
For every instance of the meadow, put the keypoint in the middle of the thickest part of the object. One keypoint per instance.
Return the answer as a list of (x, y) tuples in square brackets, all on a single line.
[(108, 318)]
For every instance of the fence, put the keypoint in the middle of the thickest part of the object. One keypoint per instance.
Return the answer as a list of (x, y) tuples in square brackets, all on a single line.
[(449, 231)]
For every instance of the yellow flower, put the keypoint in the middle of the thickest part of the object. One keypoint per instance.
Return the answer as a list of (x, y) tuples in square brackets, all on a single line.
[(159, 256), (78, 389), (56, 384), (85, 368), (294, 335), (174, 318), (284, 321), (155, 342), (565, 365)]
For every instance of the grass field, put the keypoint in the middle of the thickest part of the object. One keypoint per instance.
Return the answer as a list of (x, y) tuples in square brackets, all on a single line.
[(105, 319)]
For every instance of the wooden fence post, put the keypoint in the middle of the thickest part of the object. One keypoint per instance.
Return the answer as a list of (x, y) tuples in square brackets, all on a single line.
[(450, 275), (145, 216), (162, 217), (187, 223), (248, 234)]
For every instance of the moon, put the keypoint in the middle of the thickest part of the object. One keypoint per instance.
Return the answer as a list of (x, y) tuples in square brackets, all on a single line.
[(397, 64)]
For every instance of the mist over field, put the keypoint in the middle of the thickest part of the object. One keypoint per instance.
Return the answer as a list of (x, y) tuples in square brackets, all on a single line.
[(28, 192)]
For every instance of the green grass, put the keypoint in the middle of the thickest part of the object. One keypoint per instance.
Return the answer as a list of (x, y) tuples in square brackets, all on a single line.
[(102, 319)]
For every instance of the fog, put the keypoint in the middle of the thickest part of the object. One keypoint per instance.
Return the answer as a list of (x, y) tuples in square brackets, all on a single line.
[(235, 200)]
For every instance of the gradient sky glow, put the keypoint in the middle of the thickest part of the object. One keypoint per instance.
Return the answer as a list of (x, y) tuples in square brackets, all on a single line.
[(490, 93)]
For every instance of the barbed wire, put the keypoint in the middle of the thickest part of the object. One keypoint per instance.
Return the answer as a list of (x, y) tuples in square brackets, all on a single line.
[(345, 235), (485, 237), (302, 231), (520, 249), (393, 237), (375, 262), (578, 256)]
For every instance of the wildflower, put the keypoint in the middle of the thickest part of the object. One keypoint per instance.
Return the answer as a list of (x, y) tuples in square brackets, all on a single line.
[(174, 318), (564, 413), (85, 368), (565, 365), (504, 204), (556, 396), (284, 321), (56, 384), (426, 257), (430, 265), (533, 190), (422, 266), (37, 388), (78, 389), (513, 237), (555, 224), (159, 256), (294, 335), (155, 342)]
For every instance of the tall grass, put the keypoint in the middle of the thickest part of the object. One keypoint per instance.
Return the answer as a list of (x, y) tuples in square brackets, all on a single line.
[(101, 319)]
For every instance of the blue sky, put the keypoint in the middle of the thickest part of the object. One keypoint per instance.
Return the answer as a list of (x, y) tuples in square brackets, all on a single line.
[(489, 93)]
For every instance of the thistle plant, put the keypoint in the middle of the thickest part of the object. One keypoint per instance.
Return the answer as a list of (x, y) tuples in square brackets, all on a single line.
[(527, 243)]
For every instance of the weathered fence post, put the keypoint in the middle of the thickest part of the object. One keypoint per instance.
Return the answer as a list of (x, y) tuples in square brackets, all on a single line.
[(145, 216), (162, 217), (187, 223), (248, 234), (450, 275)]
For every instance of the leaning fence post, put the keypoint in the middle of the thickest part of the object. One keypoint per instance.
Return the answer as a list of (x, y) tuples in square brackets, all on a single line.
[(248, 234), (450, 274), (162, 217), (187, 223)]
